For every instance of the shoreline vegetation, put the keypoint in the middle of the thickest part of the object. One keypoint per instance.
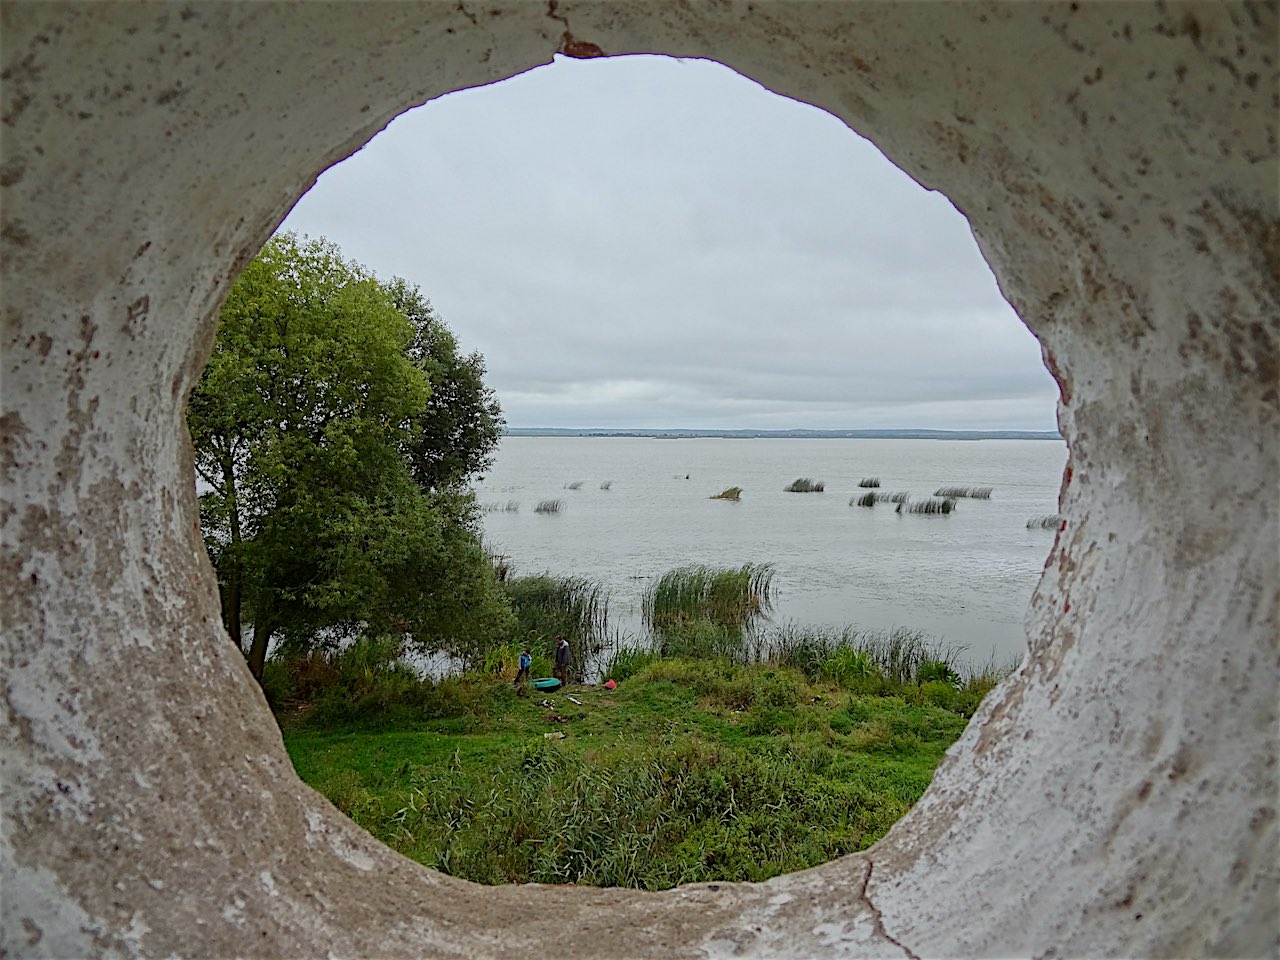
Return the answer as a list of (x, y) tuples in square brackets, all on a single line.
[(732, 749)]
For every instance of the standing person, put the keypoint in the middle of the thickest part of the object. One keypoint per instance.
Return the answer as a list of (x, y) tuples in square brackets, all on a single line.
[(562, 660), (525, 662)]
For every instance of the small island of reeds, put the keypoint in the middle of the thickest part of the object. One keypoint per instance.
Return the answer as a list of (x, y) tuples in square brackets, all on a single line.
[(971, 493), (932, 505), (1050, 521), (728, 493)]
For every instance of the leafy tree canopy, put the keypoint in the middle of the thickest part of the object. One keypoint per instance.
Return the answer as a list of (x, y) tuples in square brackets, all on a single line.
[(334, 498)]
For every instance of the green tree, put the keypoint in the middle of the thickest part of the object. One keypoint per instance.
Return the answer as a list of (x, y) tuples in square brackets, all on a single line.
[(313, 517), (459, 429)]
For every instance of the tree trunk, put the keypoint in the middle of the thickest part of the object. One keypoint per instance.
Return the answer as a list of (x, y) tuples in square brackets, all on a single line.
[(233, 575), (258, 650)]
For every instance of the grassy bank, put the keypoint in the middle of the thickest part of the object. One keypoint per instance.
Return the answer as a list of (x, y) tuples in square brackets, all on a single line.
[(692, 770)]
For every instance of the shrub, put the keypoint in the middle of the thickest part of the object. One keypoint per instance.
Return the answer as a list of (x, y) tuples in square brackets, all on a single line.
[(936, 671)]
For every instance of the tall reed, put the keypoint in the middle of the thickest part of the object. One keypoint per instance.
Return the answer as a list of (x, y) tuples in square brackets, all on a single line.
[(932, 505), (805, 485), (869, 482), (606, 484), (727, 597), (1050, 521), (972, 493), (576, 608), (897, 496), (549, 506), (575, 485), (866, 500)]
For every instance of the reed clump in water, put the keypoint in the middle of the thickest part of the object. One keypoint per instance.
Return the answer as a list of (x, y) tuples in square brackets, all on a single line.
[(606, 485), (728, 493), (897, 496), (575, 485), (549, 506), (1050, 521), (971, 493), (869, 482), (932, 505), (729, 597), (866, 500), (805, 485)]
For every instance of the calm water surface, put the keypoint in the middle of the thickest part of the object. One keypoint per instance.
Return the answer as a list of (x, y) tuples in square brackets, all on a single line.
[(965, 578)]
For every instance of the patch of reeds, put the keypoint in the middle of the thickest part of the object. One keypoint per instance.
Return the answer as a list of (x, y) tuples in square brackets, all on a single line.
[(549, 506), (511, 506), (575, 485), (971, 493), (728, 493), (897, 496), (730, 598), (1050, 521), (805, 485), (866, 500), (869, 482), (547, 606), (846, 653), (606, 485), (932, 505)]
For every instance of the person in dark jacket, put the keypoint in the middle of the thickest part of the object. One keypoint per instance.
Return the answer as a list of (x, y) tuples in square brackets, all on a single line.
[(562, 660)]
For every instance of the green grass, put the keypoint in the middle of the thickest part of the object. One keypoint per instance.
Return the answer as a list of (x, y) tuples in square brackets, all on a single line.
[(692, 770)]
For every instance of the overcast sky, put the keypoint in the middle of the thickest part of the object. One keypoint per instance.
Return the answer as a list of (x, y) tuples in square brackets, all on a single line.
[(646, 242)]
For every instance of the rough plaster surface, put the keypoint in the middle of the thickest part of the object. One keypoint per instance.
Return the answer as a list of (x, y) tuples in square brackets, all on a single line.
[(1118, 164)]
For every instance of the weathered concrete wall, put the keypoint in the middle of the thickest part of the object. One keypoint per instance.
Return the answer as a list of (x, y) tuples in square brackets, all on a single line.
[(1118, 164)]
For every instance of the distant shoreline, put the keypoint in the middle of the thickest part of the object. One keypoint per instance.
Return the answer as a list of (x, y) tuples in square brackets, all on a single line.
[(677, 434)]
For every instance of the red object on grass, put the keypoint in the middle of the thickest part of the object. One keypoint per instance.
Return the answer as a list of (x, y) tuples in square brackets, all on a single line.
[(610, 685)]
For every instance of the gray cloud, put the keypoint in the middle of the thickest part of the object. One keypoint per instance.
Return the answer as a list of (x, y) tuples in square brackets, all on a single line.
[(652, 242)]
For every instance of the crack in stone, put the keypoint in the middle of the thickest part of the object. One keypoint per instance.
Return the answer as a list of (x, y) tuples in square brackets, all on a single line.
[(875, 913)]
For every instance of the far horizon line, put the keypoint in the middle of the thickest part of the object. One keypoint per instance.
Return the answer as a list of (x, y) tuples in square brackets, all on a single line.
[(510, 430)]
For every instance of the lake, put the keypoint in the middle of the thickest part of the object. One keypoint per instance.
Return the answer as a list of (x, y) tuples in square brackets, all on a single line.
[(965, 578)]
